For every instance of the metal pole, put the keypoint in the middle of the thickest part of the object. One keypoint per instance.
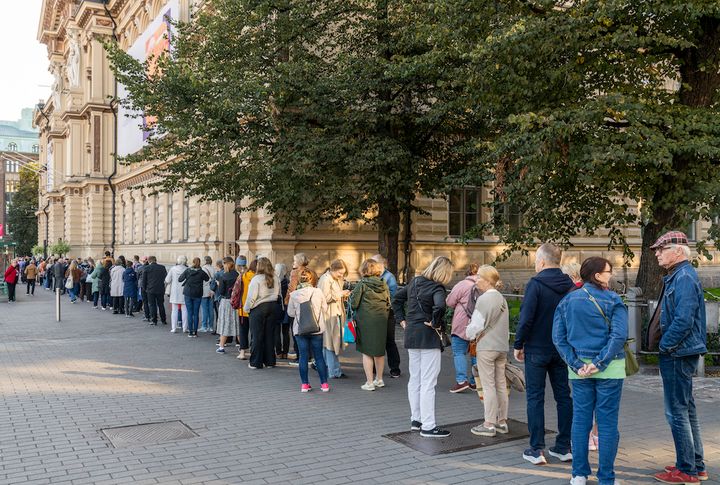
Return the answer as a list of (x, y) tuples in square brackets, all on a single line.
[(57, 304), (701, 366)]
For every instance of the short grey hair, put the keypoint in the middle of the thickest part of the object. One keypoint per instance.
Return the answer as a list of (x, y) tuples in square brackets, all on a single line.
[(181, 260), (685, 249), (549, 253), (301, 259)]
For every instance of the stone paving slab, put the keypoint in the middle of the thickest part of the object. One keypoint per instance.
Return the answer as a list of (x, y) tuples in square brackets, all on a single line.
[(62, 382)]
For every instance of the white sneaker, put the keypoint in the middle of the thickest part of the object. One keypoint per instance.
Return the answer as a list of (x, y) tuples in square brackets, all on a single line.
[(578, 480), (378, 383), (174, 330), (367, 387)]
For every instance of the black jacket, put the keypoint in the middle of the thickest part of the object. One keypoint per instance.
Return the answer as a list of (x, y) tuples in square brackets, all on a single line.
[(193, 278), (542, 296), (226, 283), (141, 274), (154, 278), (425, 301), (59, 270), (103, 280)]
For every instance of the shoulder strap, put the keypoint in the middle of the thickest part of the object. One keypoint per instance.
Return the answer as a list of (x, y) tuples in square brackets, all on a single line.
[(592, 299)]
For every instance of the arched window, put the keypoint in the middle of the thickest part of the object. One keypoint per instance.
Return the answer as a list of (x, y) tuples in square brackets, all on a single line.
[(12, 146)]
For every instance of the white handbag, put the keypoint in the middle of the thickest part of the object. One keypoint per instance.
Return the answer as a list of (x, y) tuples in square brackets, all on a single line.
[(69, 282)]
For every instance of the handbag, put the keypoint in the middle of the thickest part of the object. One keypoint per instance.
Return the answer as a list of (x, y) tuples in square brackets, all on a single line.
[(631, 364), (349, 327), (308, 323), (69, 282)]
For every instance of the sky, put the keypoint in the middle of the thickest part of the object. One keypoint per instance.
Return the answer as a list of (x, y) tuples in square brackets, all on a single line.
[(24, 76)]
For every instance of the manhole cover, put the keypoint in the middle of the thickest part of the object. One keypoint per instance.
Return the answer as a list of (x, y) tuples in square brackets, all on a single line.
[(150, 433), (460, 439)]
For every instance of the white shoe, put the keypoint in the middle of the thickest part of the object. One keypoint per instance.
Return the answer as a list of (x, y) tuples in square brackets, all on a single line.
[(378, 383), (367, 387), (174, 330), (578, 480)]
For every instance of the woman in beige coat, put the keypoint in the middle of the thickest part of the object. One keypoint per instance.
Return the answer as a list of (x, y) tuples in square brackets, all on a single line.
[(331, 283)]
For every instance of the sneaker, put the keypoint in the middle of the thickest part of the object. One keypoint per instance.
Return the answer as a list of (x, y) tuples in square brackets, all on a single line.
[(250, 366), (536, 457), (578, 480), (482, 430), (220, 350), (294, 363), (567, 456), (305, 388), (702, 476), (415, 425), (367, 387), (378, 383), (472, 387), (325, 387), (502, 428), (394, 374), (292, 356), (145, 319), (174, 330), (190, 335), (592, 442), (460, 387), (436, 432), (676, 476), (104, 309)]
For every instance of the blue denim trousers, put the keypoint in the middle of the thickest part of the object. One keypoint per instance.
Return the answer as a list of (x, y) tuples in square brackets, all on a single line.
[(680, 411), (537, 367), (207, 313), (333, 363), (459, 350), (193, 312), (601, 397), (305, 343)]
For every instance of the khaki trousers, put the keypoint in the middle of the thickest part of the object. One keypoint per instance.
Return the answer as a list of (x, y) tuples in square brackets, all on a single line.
[(491, 370)]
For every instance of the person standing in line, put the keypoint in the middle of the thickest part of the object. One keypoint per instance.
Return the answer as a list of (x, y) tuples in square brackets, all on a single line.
[(534, 346), (228, 322), (141, 287), (59, 269), (590, 327), (177, 299), (31, 273), (247, 273), (300, 262), (459, 300), (425, 317), (73, 273), (154, 286), (303, 293), (130, 289), (682, 341), (490, 327), (193, 280), (206, 304), (370, 300), (104, 285), (214, 287), (391, 348), (48, 274), (282, 328), (11, 279), (331, 284), (116, 286), (260, 305)]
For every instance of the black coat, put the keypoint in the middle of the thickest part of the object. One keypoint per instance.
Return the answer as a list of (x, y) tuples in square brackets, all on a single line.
[(141, 274), (425, 300), (226, 283), (154, 278), (104, 280), (193, 278)]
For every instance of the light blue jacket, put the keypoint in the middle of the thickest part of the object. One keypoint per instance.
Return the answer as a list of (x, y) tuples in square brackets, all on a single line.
[(581, 332), (682, 316)]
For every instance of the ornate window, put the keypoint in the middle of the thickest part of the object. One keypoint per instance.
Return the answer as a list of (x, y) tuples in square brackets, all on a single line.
[(463, 210), (12, 147)]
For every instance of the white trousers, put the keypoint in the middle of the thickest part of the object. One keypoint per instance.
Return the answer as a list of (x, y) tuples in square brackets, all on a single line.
[(424, 367), (174, 315)]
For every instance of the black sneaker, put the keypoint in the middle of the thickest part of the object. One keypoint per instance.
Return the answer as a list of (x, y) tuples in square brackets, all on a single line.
[(436, 432), (394, 374), (415, 425)]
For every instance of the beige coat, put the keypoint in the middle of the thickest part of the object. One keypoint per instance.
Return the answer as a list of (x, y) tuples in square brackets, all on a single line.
[(334, 315)]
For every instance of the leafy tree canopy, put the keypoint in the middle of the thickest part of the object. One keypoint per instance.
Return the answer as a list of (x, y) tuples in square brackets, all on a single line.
[(22, 221)]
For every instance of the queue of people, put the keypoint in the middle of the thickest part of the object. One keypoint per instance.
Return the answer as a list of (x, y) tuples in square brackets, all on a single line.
[(572, 329)]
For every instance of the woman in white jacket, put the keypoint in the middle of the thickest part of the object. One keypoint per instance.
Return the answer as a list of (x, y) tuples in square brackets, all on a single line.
[(116, 286), (305, 292), (261, 306), (177, 299)]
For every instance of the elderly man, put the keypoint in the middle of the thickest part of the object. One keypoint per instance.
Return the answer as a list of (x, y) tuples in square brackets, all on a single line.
[(534, 345), (683, 341), (393, 355)]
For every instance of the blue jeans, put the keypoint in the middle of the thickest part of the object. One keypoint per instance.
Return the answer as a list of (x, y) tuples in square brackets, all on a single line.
[(333, 364), (314, 342), (193, 312), (601, 396), (105, 299), (459, 350), (74, 291), (537, 367), (680, 411), (207, 313)]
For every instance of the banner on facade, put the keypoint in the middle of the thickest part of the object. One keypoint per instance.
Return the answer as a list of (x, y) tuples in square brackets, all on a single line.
[(133, 125)]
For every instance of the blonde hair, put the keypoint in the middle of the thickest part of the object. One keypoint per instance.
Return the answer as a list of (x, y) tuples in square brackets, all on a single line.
[(489, 274), (265, 267), (439, 270), (572, 270), (370, 267), (300, 259)]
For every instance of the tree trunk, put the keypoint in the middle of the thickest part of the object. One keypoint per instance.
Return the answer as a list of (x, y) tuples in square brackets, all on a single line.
[(388, 225), (649, 276)]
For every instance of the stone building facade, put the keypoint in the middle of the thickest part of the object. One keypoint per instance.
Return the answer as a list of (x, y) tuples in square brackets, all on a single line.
[(96, 204)]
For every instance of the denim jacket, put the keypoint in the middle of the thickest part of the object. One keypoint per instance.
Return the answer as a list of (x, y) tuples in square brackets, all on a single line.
[(581, 332), (682, 316)]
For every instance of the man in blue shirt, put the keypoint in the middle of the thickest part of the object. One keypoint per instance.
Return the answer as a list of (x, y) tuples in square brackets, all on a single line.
[(393, 355)]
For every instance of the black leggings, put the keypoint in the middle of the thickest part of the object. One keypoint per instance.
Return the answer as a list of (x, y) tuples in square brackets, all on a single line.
[(262, 327)]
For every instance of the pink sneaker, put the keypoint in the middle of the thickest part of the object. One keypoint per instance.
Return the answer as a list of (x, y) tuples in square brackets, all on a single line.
[(325, 387), (305, 388)]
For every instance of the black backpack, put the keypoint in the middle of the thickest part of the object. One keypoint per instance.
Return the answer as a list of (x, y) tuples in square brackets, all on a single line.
[(472, 299)]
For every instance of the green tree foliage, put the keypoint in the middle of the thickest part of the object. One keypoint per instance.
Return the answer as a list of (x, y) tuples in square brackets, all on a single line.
[(330, 110), (60, 248), (596, 104), (38, 250), (22, 221)]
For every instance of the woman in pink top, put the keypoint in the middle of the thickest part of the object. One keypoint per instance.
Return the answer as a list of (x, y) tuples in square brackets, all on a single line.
[(460, 299)]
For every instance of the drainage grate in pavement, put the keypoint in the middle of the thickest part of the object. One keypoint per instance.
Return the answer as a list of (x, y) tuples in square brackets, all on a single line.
[(460, 439), (146, 434)]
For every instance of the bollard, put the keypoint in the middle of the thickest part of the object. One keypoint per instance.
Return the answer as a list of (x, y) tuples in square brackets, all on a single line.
[(701, 366), (635, 321), (57, 304)]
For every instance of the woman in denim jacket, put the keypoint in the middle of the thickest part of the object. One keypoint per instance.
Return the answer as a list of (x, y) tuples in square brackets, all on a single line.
[(589, 332)]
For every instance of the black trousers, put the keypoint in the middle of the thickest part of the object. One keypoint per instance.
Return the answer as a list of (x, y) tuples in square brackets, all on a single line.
[(282, 338), (393, 355), (244, 338), (30, 287), (145, 304), (11, 291), (156, 302), (262, 327), (118, 304)]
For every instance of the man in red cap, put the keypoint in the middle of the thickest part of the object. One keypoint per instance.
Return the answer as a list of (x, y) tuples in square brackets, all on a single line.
[(683, 341)]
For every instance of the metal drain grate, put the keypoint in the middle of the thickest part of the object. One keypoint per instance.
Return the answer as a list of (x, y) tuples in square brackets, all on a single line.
[(146, 434)]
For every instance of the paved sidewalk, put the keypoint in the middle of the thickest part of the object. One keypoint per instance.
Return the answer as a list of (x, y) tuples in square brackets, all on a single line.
[(62, 382)]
